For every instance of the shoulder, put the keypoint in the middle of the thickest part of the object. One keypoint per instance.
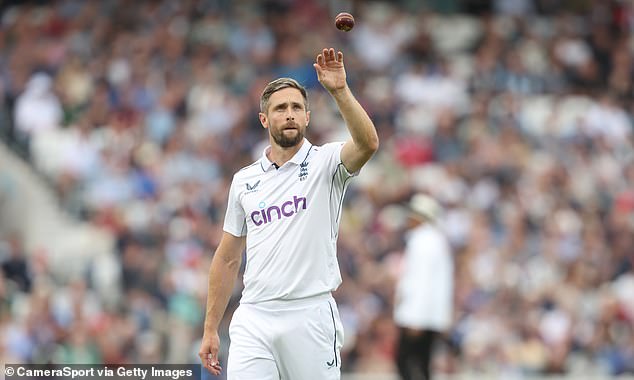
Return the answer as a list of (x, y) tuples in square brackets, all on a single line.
[(432, 235), (248, 172), (325, 150), (251, 169), (332, 146)]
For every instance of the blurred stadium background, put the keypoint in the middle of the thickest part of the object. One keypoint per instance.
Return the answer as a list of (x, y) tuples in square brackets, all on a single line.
[(122, 123)]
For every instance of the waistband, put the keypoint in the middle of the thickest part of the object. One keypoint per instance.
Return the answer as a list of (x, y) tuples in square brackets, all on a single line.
[(278, 304)]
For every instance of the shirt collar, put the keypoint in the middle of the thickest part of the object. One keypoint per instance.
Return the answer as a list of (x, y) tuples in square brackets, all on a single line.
[(297, 159)]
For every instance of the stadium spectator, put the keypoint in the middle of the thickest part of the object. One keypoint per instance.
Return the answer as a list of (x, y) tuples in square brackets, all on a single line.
[(37, 109), (528, 145)]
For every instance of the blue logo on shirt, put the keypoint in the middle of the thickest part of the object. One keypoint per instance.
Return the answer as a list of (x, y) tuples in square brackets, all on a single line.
[(303, 171), (252, 187)]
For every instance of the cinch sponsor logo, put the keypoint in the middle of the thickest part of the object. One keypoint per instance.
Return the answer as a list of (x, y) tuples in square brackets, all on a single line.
[(272, 213)]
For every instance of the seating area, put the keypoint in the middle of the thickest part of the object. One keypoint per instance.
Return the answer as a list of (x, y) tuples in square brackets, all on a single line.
[(135, 115)]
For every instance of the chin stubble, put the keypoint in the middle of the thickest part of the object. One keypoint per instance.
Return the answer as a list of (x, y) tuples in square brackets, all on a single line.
[(288, 142)]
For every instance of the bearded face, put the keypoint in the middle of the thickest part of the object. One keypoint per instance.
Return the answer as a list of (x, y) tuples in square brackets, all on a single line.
[(286, 117), (288, 136)]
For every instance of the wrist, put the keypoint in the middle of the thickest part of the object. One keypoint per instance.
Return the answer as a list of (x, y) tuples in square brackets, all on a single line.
[(339, 92), (209, 332), (210, 327)]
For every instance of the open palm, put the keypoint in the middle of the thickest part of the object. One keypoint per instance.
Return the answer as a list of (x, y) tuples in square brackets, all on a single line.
[(331, 72)]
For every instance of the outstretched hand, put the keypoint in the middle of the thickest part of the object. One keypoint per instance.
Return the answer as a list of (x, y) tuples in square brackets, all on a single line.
[(331, 72)]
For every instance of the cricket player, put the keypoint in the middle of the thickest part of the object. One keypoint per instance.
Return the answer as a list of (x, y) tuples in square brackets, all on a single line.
[(285, 208)]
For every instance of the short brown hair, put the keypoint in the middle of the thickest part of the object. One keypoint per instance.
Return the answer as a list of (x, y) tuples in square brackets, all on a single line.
[(280, 84)]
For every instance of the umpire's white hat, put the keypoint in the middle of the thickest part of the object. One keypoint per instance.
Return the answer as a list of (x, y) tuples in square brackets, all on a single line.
[(424, 206)]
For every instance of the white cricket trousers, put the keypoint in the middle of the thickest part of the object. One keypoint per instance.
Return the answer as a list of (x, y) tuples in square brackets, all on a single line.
[(287, 340)]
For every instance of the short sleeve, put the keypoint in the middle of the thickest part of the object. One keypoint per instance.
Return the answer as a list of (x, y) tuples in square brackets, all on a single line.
[(334, 164), (235, 220)]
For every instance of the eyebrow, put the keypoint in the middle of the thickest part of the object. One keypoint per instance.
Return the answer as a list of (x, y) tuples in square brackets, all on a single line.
[(285, 104)]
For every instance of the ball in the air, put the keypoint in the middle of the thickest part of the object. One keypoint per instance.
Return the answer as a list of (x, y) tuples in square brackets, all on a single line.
[(344, 21)]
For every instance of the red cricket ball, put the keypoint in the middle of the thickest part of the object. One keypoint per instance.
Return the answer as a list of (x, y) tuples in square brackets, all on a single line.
[(344, 21)]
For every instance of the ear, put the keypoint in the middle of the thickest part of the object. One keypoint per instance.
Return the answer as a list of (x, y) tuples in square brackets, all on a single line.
[(264, 120), (307, 118)]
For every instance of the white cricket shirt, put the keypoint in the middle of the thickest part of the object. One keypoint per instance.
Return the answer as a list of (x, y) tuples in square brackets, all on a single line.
[(290, 217), (424, 293)]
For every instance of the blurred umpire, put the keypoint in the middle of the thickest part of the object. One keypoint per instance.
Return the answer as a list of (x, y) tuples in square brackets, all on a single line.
[(423, 306)]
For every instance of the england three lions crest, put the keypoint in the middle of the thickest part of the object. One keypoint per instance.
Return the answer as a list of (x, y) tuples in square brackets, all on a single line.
[(303, 171)]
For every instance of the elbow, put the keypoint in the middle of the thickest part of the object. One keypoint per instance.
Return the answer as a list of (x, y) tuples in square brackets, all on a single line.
[(372, 144), (232, 264), (368, 149)]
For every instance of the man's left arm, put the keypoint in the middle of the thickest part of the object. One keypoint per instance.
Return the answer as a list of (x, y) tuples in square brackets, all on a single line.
[(365, 141)]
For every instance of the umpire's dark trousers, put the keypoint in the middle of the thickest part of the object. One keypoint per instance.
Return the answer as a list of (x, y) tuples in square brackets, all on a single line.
[(414, 353)]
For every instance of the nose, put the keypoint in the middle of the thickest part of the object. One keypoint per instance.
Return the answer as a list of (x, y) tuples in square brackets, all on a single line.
[(289, 114)]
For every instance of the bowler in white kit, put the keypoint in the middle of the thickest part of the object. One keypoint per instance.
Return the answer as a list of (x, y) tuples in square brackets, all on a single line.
[(285, 209)]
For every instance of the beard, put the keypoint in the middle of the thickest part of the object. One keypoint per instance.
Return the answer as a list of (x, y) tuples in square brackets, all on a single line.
[(286, 141)]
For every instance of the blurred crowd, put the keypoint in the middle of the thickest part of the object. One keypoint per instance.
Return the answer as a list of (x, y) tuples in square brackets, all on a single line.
[(517, 115)]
